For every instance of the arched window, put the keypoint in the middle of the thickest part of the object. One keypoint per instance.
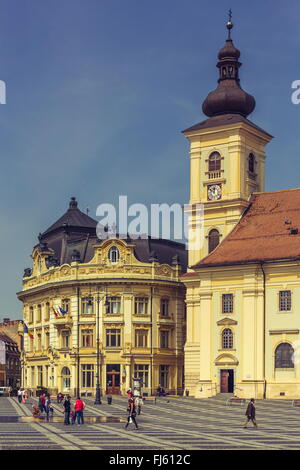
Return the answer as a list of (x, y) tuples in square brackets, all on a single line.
[(113, 254), (66, 377), (227, 339), (251, 163), (213, 240), (214, 162), (284, 356)]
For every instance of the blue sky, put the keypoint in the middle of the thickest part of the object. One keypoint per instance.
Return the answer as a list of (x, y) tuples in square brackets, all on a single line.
[(98, 92)]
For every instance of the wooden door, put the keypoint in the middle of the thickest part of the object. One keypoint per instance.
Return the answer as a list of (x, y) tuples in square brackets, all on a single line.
[(113, 382), (224, 381)]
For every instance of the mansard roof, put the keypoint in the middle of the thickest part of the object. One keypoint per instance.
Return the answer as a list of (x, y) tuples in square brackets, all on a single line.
[(76, 231)]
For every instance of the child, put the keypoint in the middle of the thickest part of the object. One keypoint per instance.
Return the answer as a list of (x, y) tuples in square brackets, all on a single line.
[(72, 417), (36, 412)]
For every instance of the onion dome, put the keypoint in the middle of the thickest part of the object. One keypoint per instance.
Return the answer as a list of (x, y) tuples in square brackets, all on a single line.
[(228, 97)]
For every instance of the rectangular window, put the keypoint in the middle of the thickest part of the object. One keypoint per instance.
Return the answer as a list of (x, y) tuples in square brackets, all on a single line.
[(141, 371), (164, 307), (32, 377), (113, 338), (47, 340), (113, 305), (87, 305), (65, 336), (65, 305), (39, 314), (141, 305), (87, 375), (164, 376), (39, 342), (40, 376), (87, 338), (164, 338), (141, 338), (227, 303), (31, 315), (285, 300), (47, 311)]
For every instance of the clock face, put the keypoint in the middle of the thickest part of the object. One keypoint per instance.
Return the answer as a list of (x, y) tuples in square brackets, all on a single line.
[(214, 192)]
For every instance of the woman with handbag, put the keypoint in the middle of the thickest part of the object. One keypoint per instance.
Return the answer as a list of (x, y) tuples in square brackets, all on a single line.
[(131, 413)]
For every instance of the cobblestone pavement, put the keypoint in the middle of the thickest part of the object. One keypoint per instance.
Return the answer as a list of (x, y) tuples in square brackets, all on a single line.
[(170, 424)]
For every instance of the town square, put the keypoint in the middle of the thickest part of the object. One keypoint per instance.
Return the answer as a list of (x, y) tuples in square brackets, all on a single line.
[(177, 424)]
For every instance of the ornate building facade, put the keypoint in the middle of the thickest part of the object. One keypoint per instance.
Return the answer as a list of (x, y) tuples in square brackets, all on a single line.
[(243, 285), (102, 311)]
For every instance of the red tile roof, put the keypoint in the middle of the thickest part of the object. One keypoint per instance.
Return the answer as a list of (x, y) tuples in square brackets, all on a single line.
[(263, 233)]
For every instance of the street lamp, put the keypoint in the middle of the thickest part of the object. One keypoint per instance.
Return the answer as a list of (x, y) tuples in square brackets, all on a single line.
[(98, 374)]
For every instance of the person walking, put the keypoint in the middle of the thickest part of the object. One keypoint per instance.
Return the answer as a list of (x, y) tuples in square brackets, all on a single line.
[(24, 397), (20, 395), (47, 406), (67, 408), (250, 413), (131, 413), (139, 403), (79, 407), (41, 403)]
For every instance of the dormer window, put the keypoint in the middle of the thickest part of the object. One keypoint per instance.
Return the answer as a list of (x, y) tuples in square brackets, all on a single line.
[(113, 254)]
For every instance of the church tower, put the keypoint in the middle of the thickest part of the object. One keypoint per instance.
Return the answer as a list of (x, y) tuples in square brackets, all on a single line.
[(227, 155)]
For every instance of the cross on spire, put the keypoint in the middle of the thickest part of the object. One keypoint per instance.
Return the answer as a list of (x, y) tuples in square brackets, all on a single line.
[(229, 24)]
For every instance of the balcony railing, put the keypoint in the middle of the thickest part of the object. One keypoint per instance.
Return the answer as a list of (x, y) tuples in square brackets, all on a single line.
[(214, 174)]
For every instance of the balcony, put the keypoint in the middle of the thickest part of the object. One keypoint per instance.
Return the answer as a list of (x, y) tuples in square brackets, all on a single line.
[(213, 175), (65, 320)]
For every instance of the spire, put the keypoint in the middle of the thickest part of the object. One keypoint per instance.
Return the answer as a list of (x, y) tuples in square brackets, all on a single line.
[(228, 97)]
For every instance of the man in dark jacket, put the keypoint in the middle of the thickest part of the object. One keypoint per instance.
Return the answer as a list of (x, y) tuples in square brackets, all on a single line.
[(250, 413), (67, 407)]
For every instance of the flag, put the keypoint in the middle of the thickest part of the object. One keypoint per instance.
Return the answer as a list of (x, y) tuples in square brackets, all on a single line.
[(28, 331), (55, 312), (62, 311)]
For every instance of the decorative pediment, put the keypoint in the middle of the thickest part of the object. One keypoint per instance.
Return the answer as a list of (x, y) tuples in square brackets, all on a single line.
[(226, 322), (226, 359)]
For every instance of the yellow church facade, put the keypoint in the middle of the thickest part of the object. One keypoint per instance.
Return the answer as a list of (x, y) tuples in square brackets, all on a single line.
[(243, 283), (102, 311)]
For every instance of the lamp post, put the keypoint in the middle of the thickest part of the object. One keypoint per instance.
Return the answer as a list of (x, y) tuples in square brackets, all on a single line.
[(98, 374)]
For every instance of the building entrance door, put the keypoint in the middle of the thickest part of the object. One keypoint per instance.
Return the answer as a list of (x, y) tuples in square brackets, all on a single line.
[(113, 379), (226, 381)]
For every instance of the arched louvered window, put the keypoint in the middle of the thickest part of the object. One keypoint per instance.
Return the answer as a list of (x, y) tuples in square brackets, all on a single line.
[(113, 254), (213, 239), (214, 162), (284, 355), (227, 339), (251, 163)]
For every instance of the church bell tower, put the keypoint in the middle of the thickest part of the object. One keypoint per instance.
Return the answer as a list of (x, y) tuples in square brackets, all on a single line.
[(227, 155)]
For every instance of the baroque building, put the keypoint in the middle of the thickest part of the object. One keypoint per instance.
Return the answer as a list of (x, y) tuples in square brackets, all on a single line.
[(102, 311), (243, 284)]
